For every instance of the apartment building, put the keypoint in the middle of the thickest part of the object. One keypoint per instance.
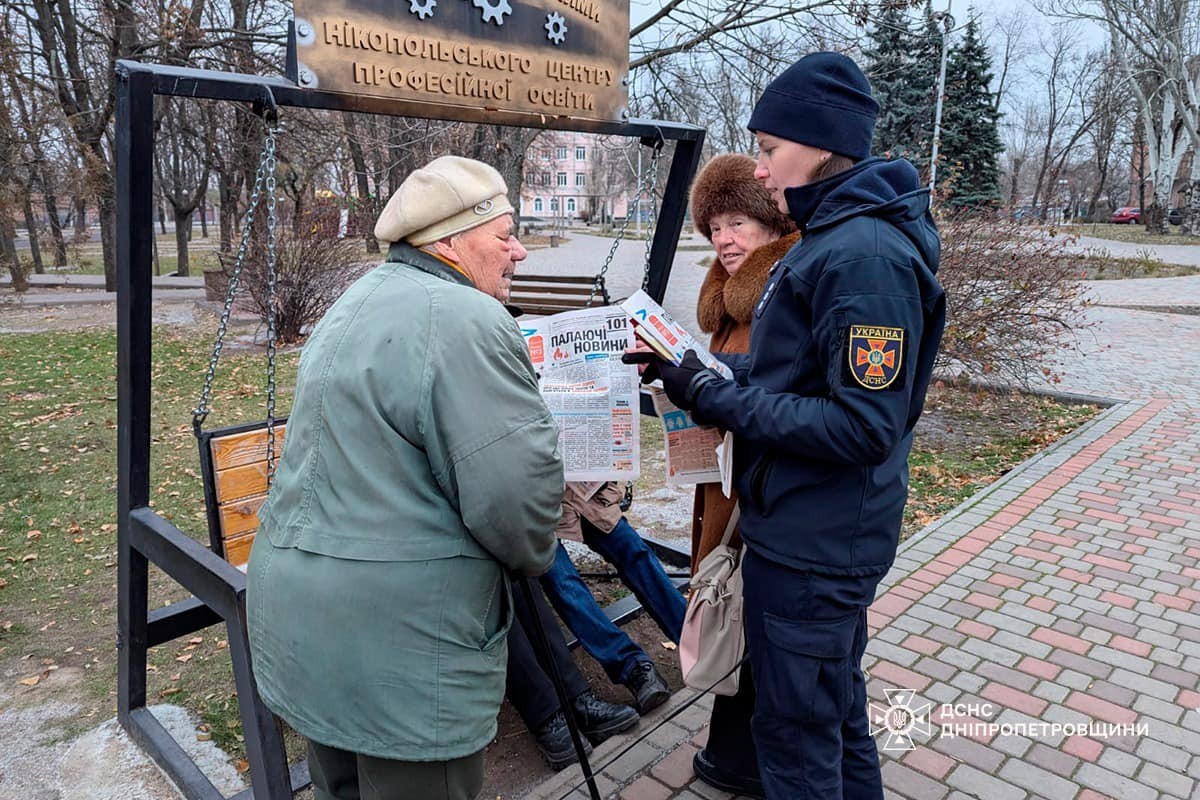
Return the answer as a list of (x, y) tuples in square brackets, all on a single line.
[(578, 177)]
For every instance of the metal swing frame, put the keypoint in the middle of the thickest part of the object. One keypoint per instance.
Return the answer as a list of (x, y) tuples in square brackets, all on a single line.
[(143, 535)]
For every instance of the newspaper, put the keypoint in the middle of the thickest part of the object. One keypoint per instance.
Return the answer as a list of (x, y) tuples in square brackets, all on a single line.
[(695, 453), (666, 336), (691, 449), (592, 395)]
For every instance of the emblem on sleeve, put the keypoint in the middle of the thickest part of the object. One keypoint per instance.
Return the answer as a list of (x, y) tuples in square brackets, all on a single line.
[(875, 354)]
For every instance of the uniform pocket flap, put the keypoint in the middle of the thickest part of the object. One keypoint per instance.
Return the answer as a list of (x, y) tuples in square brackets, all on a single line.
[(831, 638)]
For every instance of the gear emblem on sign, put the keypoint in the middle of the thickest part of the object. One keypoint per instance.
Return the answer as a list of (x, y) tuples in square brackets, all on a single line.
[(422, 8), (493, 10), (556, 27)]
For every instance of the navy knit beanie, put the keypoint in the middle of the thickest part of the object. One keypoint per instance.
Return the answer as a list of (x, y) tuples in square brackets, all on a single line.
[(823, 100)]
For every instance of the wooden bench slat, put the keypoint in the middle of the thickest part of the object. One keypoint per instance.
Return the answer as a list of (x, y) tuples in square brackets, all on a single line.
[(237, 550), (239, 483), (545, 311), (239, 449), (570, 291), (240, 516), (580, 279), (550, 302)]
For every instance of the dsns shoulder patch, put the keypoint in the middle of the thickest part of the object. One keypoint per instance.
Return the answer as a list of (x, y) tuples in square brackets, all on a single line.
[(874, 357)]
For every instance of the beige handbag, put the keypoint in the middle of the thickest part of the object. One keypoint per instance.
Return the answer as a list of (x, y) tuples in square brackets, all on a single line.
[(713, 640)]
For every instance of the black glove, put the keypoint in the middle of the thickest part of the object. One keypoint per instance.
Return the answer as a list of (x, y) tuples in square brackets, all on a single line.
[(651, 360), (680, 381)]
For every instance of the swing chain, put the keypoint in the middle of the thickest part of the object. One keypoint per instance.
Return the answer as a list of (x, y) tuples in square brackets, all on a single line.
[(266, 167), (271, 310), (652, 179), (653, 212)]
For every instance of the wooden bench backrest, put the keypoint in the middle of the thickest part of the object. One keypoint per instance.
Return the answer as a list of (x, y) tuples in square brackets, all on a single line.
[(236, 486), (550, 294)]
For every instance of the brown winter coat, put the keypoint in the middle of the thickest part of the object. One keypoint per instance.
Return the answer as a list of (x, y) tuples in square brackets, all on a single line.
[(725, 308)]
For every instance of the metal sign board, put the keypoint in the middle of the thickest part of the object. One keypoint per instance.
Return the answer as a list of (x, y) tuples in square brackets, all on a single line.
[(546, 57)]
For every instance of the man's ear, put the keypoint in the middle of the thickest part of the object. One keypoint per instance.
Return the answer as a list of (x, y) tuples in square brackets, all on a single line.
[(445, 248)]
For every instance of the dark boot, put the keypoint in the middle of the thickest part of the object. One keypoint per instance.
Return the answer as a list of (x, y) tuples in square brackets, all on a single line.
[(554, 740), (648, 687), (599, 720), (724, 780)]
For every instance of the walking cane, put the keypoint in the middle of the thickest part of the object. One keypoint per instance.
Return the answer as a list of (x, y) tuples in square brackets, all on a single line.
[(551, 666)]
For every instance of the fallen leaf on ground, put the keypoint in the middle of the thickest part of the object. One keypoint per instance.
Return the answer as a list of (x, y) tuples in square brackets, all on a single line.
[(32, 680), (29, 557), (668, 645), (186, 657)]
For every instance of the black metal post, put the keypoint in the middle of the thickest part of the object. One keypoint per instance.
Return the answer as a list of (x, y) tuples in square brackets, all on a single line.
[(265, 752), (135, 242), (670, 217), (291, 64), (538, 635)]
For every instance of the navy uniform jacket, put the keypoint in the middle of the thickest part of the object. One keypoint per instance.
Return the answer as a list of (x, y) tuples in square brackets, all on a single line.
[(842, 345)]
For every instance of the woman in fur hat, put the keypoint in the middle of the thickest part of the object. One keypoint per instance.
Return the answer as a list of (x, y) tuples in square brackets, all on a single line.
[(749, 233)]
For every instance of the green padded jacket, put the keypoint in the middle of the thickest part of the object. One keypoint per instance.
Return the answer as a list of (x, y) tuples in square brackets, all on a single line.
[(420, 466)]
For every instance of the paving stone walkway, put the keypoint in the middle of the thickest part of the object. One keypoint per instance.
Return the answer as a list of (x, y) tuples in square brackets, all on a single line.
[(1049, 626)]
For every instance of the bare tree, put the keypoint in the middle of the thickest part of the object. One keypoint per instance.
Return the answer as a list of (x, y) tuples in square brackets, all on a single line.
[(1019, 131), (10, 156), (1157, 45), (612, 174), (1064, 118), (1011, 40), (35, 125), (1013, 299), (1109, 99), (725, 25), (78, 46), (182, 165), (368, 202)]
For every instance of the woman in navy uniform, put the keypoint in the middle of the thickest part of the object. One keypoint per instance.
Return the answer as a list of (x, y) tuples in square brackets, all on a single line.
[(842, 345)]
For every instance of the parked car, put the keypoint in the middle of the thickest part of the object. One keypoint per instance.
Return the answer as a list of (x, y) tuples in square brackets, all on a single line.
[(1127, 216), (1175, 216)]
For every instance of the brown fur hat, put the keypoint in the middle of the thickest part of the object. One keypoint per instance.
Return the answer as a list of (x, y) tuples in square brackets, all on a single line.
[(727, 185)]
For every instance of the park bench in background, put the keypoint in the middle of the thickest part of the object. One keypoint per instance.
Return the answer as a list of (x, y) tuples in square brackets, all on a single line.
[(550, 294)]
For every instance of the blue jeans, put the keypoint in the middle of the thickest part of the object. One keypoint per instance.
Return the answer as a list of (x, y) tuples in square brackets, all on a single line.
[(641, 571)]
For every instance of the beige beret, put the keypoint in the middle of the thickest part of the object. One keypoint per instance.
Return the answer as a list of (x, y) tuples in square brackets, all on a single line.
[(447, 196)]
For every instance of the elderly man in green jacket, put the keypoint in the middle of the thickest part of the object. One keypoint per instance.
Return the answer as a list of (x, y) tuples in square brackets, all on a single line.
[(420, 466)]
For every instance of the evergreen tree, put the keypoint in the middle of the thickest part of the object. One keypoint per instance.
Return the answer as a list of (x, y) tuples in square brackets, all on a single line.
[(970, 140), (927, 61), (903, 80), (889, 64)]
